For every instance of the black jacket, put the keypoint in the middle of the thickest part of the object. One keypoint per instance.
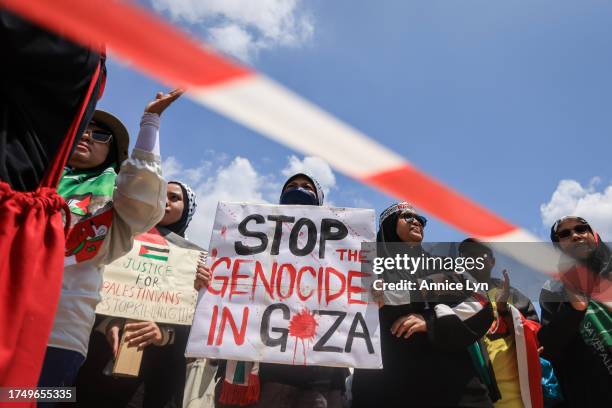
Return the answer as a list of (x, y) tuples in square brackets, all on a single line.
[(433, 368), (43, 82), (585, 378)]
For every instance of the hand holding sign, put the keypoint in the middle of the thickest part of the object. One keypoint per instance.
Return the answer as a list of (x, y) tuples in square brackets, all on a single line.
[(202, 277)]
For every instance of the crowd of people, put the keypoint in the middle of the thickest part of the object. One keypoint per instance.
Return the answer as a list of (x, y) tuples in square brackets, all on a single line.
[(72, 200)]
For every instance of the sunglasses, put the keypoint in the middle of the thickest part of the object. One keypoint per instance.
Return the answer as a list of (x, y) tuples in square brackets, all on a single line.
[(99, 136), (578, 229), (409, 217)]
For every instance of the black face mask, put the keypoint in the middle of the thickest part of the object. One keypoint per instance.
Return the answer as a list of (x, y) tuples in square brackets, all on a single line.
[(298, 195)]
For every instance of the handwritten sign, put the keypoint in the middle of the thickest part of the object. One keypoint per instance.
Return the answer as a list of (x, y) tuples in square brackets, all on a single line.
[(288, 287), (153, 282)]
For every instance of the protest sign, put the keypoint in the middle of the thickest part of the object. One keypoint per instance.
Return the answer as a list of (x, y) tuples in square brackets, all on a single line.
[(154, 281), (287, 287)]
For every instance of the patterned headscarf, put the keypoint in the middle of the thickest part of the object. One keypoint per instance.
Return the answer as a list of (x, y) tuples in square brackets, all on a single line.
[(189, 200), (403, 206), (388, 221)]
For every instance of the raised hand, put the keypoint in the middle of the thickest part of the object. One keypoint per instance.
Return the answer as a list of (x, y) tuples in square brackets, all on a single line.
[(501, 300), (162, 101)]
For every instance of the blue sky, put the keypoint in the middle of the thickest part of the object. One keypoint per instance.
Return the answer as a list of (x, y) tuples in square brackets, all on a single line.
[(502, 100)]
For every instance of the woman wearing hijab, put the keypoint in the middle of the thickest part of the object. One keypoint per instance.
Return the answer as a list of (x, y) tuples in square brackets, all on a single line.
[(576, 329), (285, 386), (162, 372), (111, 197), (281, 385), (425, 339)]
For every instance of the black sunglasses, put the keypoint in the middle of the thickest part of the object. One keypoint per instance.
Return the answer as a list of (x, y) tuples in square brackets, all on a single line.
[(99, 135), (408, 217), (578, 229)]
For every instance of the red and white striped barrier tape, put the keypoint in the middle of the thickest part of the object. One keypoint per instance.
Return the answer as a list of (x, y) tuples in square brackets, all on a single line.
[(250, 98)]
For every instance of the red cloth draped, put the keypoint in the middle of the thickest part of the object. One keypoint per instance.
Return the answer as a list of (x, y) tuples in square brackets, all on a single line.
[(32, 246)]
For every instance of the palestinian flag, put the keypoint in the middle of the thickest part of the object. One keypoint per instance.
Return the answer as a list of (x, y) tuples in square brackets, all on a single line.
[(153, 245), (79, 205), (151, 252), (528, 359), (241, 383)]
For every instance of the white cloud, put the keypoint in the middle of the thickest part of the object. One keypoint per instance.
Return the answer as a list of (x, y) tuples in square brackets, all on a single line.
[(244, 27), (571, 198), (172, 169), (234, 40), (237, 180), (360, 202), (313, 166)]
